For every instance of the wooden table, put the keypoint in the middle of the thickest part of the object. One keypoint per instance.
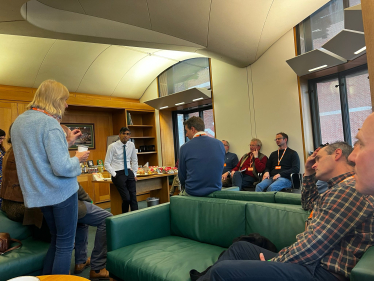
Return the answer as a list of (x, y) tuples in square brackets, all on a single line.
[(155, 185), (61, 278)]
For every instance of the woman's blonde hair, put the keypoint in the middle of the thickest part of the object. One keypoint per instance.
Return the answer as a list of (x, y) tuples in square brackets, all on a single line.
[(50, 96)]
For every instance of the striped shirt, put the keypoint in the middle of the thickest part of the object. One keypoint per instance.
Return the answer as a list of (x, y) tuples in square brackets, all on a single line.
[(341, 229)]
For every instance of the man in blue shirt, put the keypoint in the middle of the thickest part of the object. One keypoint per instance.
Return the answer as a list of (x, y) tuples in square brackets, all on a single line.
[(200, 160), (231, 160)]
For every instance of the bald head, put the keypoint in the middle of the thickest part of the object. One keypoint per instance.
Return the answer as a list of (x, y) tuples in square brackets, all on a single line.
[(363, 157)]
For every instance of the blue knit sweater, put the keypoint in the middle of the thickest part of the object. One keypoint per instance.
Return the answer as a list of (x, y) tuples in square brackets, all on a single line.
[(200, 165), (46, 172)]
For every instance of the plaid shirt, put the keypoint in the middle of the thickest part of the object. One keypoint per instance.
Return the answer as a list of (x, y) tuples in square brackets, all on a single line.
[(341, 230)]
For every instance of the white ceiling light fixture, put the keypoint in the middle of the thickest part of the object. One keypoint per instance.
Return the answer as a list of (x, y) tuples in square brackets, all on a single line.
[(180, 103), (163, 107), (198, 99), (359, 51), (319, 67)]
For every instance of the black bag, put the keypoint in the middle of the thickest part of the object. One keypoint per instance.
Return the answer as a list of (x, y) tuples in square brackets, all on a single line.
[(5, 242)]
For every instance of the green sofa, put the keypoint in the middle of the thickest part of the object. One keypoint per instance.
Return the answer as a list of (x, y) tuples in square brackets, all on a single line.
[(27, 260), (166, 241)]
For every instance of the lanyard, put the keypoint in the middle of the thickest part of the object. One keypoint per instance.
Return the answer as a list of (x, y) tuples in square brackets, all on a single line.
[(279, 160), (250, 160), (199, 135), (46, 112)]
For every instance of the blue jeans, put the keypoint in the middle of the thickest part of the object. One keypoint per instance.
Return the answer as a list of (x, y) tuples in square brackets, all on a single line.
[(272, 185), (241, 262), (95, 216), (242, 180), (62, 222)]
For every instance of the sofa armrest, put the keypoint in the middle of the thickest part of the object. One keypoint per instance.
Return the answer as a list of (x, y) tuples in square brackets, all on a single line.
[(233, 188), (135, 227), (363, 271)]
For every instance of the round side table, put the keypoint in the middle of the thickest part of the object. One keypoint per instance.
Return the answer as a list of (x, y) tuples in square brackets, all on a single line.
[(61, 278)]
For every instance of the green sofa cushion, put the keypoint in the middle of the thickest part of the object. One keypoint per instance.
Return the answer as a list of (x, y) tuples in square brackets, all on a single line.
[(288, 198), (245, 196), (135, 227), (280, 223), (168, 258), (23, 261), (363, 271), (208, 220), (15, 229)]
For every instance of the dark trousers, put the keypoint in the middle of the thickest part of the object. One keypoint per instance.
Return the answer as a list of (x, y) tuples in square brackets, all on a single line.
[(242, 262), (242, 180), (126, 186)]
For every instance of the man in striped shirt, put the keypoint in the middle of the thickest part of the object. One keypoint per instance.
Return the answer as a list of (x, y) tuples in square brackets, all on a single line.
[(336, 238)]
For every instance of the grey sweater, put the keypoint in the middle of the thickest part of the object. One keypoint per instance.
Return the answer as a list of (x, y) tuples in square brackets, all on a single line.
[(46, 172)]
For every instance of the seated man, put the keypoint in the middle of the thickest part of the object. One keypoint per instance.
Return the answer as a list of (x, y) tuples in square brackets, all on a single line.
[(281, 164), (252, 163), (231, 160), (200, 160), (334, 241)]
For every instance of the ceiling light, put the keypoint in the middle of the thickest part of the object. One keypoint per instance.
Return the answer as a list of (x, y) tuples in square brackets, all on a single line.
[(359, 51), (163, 107), (319, 67), (179, 103), (198, 99)]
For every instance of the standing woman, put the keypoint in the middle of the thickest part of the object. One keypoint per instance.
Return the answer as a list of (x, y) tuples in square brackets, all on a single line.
[(47, 174), (2, 153)]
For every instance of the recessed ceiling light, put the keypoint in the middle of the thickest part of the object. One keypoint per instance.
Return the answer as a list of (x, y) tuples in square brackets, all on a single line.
[(198, 99), (359, 51), (164, 107), (179, 103), (319, 67)]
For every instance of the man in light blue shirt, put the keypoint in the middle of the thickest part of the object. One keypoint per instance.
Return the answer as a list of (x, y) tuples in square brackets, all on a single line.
[(123, 172)]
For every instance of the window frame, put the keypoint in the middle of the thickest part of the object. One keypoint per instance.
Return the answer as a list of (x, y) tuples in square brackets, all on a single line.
[(313, 96)]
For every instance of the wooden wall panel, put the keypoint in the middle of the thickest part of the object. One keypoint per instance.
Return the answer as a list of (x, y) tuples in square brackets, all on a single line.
[(167, 138), (368, 19), (103, 128)]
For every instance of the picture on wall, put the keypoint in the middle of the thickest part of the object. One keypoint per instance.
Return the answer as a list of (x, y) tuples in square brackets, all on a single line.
[(88, 134)]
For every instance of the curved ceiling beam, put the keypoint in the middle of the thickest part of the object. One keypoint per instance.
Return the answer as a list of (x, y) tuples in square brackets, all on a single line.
[(57, 20)]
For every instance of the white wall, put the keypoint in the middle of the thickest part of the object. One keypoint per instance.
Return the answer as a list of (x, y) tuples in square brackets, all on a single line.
[(150, 94), (258, 101)]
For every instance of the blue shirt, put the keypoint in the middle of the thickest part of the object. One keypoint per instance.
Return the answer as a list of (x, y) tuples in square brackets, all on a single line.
[(200, 165)]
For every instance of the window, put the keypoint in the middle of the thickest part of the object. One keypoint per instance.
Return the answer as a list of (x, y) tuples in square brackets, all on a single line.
[(192, 73), (339, 104), (322, 25), (204, 112)]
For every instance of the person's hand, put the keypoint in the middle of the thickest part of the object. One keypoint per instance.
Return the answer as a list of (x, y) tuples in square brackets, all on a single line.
[(255, 153), (310, 161), (265, 176), (224, 176), (82, 156), (262, 257), (232, 173), (277, 176), (136, 179), (73, 136)]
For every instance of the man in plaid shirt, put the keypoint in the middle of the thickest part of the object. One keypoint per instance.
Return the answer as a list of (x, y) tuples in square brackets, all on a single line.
[(338, 234)]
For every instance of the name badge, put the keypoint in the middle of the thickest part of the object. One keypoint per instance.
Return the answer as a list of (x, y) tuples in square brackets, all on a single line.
[(224, 165), (277, 167), (250, 169)]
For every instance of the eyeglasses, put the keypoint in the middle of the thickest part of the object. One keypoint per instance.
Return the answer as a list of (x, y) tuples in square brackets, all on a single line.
[(225, 145), (279, 139), (128, 134)]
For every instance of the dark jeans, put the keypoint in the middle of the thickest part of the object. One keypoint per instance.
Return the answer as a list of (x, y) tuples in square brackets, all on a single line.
[(242, 180), (126, 186), (241, 262), (62, 222), (95, 216)]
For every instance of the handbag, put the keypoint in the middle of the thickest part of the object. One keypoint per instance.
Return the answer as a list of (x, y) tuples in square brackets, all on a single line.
[(5, 241)]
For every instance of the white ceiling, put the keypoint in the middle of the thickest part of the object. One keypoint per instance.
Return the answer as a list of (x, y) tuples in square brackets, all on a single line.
[(85, 44)]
